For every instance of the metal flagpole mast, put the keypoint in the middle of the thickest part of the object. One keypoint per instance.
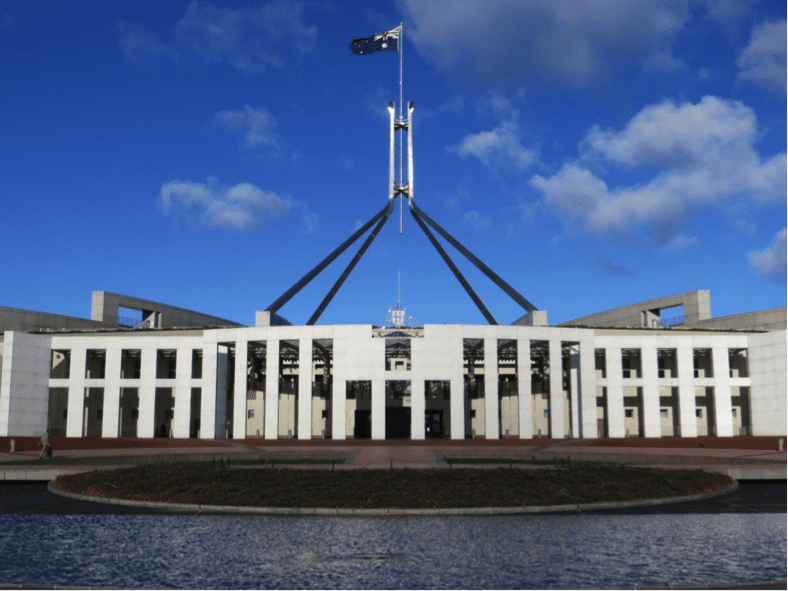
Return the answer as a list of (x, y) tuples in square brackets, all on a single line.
[(401, 179)]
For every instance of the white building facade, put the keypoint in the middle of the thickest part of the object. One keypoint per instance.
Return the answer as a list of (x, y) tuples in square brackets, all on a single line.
[(359, 381)]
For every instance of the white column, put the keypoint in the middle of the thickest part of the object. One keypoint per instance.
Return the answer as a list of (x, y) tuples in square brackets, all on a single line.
[(239, 389), (338, 403), (687, 421), (587, 393), (556, 391), (457, 395), (524, 388), (147, 392), (615, 393), (272, 389), (304, 426), (110, 423), (652, 423), (418, 406), (379, 408), (574, 390), (76, 393), (209, 394), (492, 425), (182, 393), (722, 392)]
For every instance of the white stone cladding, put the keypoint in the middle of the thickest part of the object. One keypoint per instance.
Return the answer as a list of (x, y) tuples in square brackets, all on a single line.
[(567, 400)]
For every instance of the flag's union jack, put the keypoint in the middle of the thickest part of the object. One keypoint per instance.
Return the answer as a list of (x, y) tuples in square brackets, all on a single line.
[(388, 41)]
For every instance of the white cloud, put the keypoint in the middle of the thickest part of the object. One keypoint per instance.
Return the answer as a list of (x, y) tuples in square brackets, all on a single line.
[(572, 42), (771, 261), (501, 147), (249, 39), (703, 154), (763, 60), (240, 208), (256, 126), (476, 220), (138, 44), (680, 242)]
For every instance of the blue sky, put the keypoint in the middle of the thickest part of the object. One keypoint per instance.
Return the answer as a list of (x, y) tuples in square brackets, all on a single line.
[(594, 154)]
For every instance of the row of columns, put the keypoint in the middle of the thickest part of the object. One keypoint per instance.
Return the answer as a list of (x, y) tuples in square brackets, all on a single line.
[(583, 393), (651, 391)]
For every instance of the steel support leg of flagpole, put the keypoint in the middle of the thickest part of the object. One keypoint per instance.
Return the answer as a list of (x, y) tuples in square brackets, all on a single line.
[(284, 298), (508, 289), (452, 266), (350, 267)]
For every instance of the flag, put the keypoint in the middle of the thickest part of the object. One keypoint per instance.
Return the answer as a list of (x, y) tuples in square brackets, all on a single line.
[(388, 41)]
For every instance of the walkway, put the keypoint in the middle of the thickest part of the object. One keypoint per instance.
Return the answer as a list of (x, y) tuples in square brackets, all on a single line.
[(744, 458)]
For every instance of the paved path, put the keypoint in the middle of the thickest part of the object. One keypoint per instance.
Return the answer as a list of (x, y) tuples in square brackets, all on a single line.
[(76, 455)]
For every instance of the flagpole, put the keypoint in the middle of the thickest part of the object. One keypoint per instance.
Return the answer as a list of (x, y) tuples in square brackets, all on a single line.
[(401, 179)]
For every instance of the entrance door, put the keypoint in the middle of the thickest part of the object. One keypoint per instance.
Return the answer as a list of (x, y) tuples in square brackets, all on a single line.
[(398, 423), (363, 427), (433, 424)]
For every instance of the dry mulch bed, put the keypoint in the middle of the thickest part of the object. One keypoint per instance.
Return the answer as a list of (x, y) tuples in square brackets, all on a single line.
[(219, 484)]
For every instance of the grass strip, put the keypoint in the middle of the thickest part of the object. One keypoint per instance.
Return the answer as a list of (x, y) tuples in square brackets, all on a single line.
[(215, 484)]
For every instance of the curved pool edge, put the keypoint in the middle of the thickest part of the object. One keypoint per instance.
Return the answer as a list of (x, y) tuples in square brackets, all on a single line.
[(351, 512)]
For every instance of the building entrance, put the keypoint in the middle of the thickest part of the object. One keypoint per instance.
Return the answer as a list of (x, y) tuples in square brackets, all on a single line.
[(397, 422), (363, 426), (433, 424)]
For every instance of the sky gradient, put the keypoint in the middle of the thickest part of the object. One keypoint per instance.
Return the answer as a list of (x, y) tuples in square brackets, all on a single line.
[(593, 154)]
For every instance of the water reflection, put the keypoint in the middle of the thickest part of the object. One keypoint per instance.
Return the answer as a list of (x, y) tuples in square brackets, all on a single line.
[(562, 551)]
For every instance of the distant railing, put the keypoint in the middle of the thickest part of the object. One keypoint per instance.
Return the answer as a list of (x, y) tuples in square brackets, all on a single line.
[(133, 322), (672, 321)]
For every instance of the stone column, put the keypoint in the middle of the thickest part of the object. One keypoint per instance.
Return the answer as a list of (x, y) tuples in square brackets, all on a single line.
[(272, 354), (239, 389), (687, 421), (304, 423), (378, 408), (208, 403), (524, 388), (147, 391), (181, 420), (574, 390), (457, 393), (652, 422), (110, 423), (587, 393), (556, 391), (492, 425), (722, 391), (615, 393)]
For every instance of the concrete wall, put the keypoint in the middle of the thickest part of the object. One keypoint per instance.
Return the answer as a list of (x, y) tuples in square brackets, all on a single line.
[(24, 384), (774, 319), (105, 306), (697, 307), (28, 321), (767, 356)]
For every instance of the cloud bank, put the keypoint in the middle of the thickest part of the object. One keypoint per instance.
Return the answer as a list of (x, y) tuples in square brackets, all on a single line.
[(250, 39), (238, 208), (691, 156), (771, 261)]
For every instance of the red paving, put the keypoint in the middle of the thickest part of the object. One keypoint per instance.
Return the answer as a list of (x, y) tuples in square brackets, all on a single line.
[(704, 452)]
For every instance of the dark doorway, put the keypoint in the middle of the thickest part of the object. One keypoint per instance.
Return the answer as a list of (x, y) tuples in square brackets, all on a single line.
[(397, 423), (433, 424), (363, 427)]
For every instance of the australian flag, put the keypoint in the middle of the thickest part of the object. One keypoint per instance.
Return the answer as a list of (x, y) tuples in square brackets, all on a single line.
[(388, 41)]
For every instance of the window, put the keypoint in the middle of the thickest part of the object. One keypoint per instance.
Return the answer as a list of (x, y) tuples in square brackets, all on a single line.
[(629, 413), (663, 412), (547, 414), (733, 412), (250, 414), (699, 413)]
